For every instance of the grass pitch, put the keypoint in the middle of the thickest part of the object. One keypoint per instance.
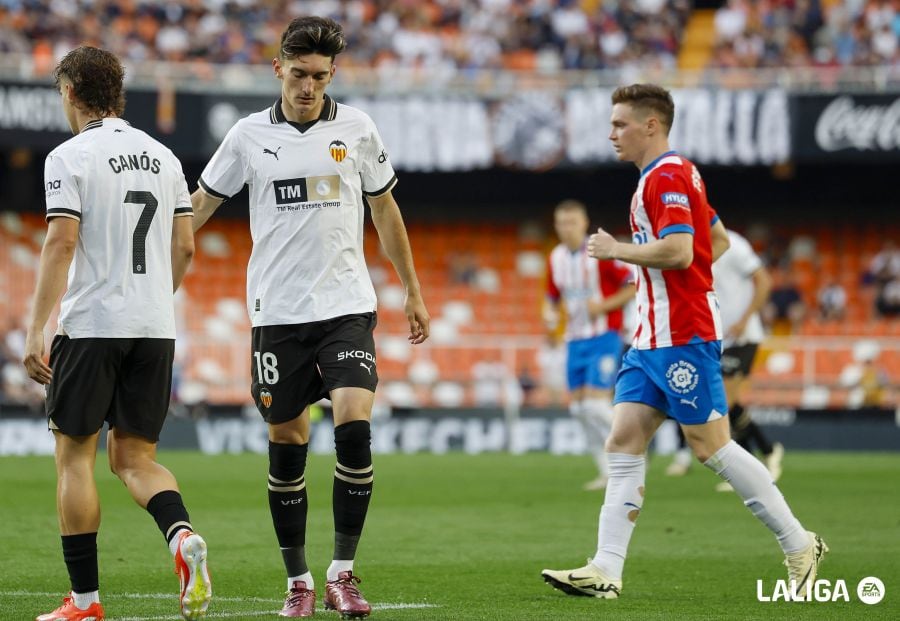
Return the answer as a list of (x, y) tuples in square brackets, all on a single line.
[(465, 537)]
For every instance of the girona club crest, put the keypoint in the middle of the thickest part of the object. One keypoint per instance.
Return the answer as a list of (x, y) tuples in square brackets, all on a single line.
[(338, 150), (265, 397)]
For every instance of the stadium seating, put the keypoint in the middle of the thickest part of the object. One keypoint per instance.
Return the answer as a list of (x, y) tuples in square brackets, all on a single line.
[(487, 327)]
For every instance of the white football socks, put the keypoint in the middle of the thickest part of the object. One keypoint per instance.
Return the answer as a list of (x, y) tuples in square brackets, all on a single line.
[(83, 601), (753, 483), (307, 578), (336, 568), (621, 507), (596, 418)]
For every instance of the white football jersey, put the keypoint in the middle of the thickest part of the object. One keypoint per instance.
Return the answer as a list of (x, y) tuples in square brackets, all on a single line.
[(306, 209), (733, 282), (125, 188)]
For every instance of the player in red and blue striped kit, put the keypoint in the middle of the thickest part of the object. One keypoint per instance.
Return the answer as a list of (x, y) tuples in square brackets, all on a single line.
[(673, 367)]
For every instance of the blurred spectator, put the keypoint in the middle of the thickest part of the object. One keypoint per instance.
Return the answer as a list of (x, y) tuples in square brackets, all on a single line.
[(785, 309), (887, 303), (463, 268), (832, 300), (884, 273), (15, 385), (873, 382), (885, 265)]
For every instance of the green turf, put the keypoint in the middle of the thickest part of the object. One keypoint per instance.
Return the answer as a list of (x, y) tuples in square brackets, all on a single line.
[(469, 535)]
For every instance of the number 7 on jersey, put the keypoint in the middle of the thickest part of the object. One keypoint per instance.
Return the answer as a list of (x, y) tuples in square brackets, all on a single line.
[(139, 238)]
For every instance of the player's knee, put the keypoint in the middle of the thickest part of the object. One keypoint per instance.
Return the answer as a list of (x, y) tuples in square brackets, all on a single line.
[(287, 462), (352, 443)]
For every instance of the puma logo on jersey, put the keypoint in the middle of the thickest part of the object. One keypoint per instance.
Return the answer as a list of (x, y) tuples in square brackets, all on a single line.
[(367, 367), (690, 402), (270, 152), (669, 175)]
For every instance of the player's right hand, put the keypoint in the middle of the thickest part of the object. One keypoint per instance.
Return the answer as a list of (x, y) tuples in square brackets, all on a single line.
[(34, 358)]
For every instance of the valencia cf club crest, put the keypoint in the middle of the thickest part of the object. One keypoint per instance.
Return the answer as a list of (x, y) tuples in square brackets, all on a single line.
[(338, 150), (265, 397)]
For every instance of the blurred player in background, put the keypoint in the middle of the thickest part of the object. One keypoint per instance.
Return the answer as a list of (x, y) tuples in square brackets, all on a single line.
[(742, 287), (309, 162), (674, 365), (118, 204), (593, 294)]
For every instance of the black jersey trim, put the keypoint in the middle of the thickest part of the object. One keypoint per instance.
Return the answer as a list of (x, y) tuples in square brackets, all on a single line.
[(384, 190), (189, 210), (99, 123), (210, 191), (92, 125), (328, 113), (63, 212)]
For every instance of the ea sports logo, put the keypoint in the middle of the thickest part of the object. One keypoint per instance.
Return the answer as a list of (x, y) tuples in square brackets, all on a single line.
[(870, 590)]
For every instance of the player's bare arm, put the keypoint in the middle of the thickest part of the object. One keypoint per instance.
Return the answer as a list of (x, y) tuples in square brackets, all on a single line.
[(762, 287), (182, 248), (204, 206), (614, 302), (392, 233), (551, 315), (672, 252), (720, 241), (56, 256)]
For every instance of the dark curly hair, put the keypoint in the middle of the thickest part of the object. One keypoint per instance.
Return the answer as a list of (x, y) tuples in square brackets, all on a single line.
[(96, 77), (312, 35), (648, 98)]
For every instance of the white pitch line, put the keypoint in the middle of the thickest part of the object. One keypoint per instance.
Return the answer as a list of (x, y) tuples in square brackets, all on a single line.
[(172, 596), (212, 615)]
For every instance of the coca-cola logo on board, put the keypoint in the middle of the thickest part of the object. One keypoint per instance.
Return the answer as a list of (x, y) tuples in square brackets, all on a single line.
[(845, 125)]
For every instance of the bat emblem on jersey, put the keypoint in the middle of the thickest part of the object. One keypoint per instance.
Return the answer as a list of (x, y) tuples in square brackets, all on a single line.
[(270, 152), (338, 150), (265, 397)]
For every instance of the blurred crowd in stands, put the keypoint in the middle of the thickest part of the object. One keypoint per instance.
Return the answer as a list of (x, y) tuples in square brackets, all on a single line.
[(794, 33), (460, 34)]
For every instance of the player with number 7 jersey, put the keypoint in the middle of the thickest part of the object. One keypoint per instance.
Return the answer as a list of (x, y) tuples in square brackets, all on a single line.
[(118, 230)]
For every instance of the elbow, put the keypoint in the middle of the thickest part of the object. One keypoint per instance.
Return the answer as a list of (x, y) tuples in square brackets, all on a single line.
[(683, 259), (186, 250), (63, 247)]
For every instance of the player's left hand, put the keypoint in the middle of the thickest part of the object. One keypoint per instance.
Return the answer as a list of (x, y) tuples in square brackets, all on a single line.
[(737, 329), (418, 318), (596, 308), (601, 244), (34, 358)]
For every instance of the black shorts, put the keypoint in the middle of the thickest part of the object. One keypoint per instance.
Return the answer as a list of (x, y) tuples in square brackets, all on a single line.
[(295, 365), (738, 360), (125, 382)]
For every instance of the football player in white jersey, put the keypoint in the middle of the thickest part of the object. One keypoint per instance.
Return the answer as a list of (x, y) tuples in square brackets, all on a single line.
[(118, 224), (309, 161), (743, 285)]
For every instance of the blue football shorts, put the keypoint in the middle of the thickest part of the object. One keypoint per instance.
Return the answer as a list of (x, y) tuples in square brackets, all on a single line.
[(684, 381), (594, 362)]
